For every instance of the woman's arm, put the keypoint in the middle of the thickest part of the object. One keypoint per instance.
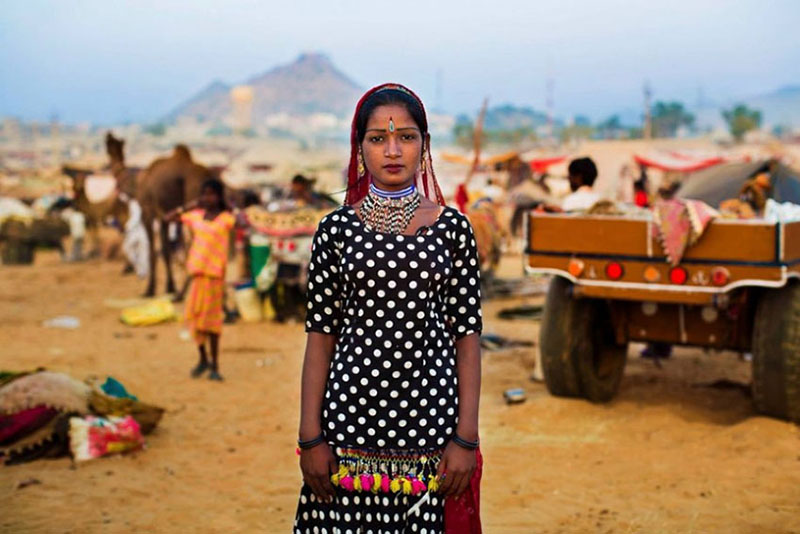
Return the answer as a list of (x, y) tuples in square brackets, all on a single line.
[(317, 463), (457, 462), (319, 350), (468, 369)]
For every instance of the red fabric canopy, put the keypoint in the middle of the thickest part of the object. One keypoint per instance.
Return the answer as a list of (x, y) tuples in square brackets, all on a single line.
[(540, 165), (677, 162)]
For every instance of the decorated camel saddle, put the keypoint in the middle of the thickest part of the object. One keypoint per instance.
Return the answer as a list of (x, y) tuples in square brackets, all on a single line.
[(289, 223)]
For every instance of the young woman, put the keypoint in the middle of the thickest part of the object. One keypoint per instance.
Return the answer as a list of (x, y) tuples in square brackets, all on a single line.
[(391, 377), (210, 224)]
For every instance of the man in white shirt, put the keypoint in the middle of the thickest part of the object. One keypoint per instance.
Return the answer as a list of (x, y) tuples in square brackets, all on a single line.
[(77, 231), (582, 174)]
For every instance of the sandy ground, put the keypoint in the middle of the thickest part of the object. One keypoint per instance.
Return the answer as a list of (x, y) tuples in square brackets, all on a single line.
[(667, 456)]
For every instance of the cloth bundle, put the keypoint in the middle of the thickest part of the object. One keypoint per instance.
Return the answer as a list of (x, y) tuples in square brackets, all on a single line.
[(153, 312), (92, 437)]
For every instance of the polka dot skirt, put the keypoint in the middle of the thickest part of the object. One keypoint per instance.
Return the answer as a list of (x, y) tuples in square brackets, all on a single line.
[(397, 304)]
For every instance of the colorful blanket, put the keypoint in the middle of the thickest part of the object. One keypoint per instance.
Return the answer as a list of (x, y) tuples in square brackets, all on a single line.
[(92, 437), (679, 224), (36, 408)]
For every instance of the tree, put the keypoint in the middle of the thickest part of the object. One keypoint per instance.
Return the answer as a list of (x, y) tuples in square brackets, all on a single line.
[(741, 120), (158, 129), (578, 130), (668, 117), (464, 132), (611, 128)]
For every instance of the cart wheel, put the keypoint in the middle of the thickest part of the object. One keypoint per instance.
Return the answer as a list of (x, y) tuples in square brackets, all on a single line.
[(776, 353), (579, 353)]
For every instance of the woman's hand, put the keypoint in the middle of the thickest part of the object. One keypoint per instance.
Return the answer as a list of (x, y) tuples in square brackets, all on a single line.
[(457, 466), (317, 465)]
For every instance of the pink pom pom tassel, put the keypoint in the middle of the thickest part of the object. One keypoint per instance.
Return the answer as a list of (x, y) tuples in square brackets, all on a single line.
[(417, 486), (385, 483), (347, 483), (366, 482)]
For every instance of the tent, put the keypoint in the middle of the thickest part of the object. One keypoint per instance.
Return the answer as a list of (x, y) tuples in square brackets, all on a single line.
[(724, 181), (676, 161)]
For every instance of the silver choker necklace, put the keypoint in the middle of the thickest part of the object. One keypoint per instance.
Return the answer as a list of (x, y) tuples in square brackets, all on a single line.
[(389, 214)]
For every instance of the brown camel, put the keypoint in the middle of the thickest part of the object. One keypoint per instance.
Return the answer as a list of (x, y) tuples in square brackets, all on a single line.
[(97, 213), (165, 185)]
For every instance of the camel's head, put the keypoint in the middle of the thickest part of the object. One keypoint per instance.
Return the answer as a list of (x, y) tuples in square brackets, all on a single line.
[(115, 149)]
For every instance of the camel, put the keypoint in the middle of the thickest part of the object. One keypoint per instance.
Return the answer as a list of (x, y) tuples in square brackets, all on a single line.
[(165, 185), (115, 207)]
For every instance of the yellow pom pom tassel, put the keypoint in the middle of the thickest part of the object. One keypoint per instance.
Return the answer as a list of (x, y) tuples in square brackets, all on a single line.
[(357, 483), (336, 477), (394, 485), (376, 483), (406, 486), (433, 484)]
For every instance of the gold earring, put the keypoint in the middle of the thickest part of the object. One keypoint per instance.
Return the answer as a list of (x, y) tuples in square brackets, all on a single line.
[(424, 158), (361, 169)]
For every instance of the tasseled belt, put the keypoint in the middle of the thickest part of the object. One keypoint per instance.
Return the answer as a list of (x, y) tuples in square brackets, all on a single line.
[(410, 473)]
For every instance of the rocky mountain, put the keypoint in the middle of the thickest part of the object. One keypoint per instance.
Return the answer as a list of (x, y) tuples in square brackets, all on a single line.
[(209, 103), (311, 84)]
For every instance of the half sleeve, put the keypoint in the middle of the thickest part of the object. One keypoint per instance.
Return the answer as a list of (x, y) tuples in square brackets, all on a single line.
[(463, 299), (190, 218), (324, 280)]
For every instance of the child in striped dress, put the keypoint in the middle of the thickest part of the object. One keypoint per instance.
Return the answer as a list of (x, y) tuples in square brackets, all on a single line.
[(211, 224)]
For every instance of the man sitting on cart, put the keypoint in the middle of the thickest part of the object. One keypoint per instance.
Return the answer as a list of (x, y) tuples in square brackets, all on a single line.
[(582, 174)]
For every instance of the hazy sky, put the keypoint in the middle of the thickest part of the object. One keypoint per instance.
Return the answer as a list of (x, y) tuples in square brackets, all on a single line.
[(107, 61)]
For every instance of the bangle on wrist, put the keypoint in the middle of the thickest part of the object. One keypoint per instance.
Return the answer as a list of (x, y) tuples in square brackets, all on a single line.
[(311, 443), (464, 444)]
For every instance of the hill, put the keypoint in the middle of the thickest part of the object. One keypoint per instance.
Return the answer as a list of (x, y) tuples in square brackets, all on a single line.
[(310, 84)]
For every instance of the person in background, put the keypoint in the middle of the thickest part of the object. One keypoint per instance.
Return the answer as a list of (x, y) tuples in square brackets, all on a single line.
[(302, 192), (134, 243), (77, 231), (211, 223), (641, 186), (640, 197), (582, 174), (626, 185)]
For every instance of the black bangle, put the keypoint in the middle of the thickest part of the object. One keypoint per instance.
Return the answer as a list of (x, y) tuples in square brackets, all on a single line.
[(461, 442), (310, 443)]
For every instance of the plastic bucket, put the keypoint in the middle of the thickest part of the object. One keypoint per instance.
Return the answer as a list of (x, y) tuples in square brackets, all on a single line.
[(259, 255), (248, 302)]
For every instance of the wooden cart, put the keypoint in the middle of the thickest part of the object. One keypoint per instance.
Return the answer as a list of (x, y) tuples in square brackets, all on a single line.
[(737, 288)]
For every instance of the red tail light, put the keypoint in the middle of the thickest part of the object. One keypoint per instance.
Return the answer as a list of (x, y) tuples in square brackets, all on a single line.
[(678, 275), (720, 276), (614, 271), (280, 244), (292, 246)]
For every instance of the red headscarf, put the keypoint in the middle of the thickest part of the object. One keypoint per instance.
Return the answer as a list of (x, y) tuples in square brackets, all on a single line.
[(425, 178)]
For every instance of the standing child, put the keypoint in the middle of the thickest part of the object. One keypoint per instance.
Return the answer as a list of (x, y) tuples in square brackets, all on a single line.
[(211, 224)]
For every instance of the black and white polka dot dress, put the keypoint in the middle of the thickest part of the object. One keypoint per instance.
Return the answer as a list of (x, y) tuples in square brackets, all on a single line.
[(397, 304)]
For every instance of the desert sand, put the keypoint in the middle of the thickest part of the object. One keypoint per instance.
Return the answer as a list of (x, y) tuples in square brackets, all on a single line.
[(669, 455)]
